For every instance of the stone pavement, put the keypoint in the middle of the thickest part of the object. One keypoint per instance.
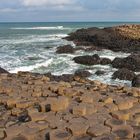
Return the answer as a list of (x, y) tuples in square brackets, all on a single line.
[(35, 108)]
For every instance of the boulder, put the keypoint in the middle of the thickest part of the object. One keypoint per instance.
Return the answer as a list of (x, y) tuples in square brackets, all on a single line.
[(82, 73), (99, 72), (91, 60), (131, 62), (105, 61), (124, 74), (87, 60), (65, 49), (3, 70), (136, 81)]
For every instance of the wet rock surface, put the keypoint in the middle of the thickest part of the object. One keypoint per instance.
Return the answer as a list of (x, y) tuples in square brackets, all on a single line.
[(65, 49), (87, 59), (124, 74), (82, 73), (124, 38), (91, 60), (136, 81), (99, 72), (131, 62), (36, 107)]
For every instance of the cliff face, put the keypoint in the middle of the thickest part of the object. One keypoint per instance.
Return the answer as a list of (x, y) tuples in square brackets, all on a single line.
[(124, 38)]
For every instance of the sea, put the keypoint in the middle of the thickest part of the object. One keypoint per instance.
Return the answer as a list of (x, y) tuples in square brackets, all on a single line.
[(32, 47)]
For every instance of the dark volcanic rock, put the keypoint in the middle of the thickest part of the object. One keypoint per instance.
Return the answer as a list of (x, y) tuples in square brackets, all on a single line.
[(136, 81), (91, 60), (120, 38), (3, 70), (105, 61), (65, 49), (131, 62), (99, 72), (87, 60), (82, 73), (124, 74), (33, 58), (64, 77)]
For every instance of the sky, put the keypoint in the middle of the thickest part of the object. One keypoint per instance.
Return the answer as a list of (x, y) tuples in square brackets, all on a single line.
[(69, 10)]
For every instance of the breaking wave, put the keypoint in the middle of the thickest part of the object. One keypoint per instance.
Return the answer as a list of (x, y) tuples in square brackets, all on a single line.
[(42, 28), (32, 67)]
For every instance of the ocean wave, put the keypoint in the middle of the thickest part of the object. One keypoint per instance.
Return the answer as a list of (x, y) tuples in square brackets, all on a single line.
[(58, 35), (33, 39), (42, 28), (107, 79), (32, 67), (111, 55)]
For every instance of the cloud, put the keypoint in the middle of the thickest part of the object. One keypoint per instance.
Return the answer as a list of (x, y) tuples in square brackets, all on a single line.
[(111, 4), (46, 2), (69, 10), (7, 10)]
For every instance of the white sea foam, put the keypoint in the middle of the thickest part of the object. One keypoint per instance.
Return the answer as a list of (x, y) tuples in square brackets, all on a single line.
[(112, 55), (42, 28), (101, 27), (34, 38), (58, 35), (107, 79), (32, 67)]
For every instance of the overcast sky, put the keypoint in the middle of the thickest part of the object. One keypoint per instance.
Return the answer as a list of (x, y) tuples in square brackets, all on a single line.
[(69, 10)]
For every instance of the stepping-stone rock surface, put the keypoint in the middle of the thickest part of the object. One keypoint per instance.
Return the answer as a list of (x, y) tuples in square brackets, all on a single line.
[(35, 107)]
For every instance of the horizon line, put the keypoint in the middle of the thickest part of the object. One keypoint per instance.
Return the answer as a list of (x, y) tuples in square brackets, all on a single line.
[(66, 21)]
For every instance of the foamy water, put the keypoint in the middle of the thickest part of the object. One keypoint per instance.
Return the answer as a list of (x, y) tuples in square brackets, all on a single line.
[(32, 67), (33, 38), (32, 47), (42, 28)]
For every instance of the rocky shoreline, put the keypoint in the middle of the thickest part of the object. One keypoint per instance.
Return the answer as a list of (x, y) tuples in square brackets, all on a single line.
[(36, 107), (125, 38), (70, 107)]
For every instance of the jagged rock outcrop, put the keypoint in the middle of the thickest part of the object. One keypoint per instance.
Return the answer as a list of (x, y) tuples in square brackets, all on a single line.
[(65, 49), (124, 74), (131, 62), (124, 38), (91, 60)]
